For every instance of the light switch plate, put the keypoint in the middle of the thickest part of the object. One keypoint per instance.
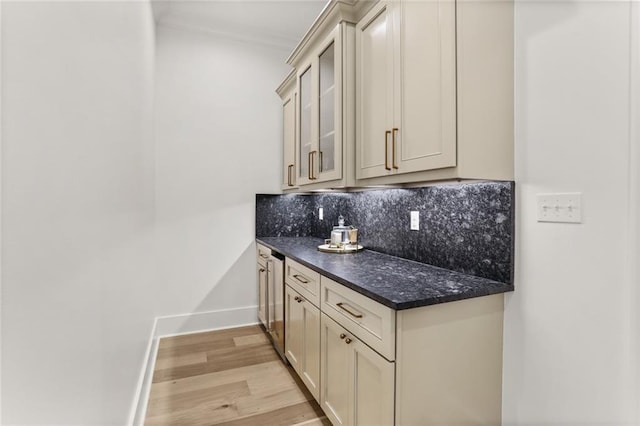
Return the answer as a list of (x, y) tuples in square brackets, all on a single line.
[(565, 207), (320, 213), (415, 221)]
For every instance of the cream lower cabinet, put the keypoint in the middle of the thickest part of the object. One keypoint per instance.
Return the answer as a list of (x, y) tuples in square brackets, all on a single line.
[(357, 385), (262, 254), (302, 343), (262, 293), (368, 364)]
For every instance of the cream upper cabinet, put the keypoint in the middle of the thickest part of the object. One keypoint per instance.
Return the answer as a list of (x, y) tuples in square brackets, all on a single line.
[(319, 131), (434, 91), (288, 94), (357, 383), (374, 93), (289, 141), (406, 89)]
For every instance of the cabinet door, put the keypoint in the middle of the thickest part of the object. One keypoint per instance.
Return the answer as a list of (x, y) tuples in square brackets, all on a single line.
[(302, 343), (424, 132), (319, 130), (374, 92), (293, 328), (406, 88), (336, 389), (328, 163), (373, 381), (262, 293), (289, 141), (358, 384), (310, 368), (306, 143)]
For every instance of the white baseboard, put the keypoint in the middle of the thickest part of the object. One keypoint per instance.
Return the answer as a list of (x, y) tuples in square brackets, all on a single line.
[(141, 397), (173, 325), (205, 321)]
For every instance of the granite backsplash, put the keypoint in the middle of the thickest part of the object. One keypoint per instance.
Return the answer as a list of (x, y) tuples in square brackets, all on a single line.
[(465, 227)]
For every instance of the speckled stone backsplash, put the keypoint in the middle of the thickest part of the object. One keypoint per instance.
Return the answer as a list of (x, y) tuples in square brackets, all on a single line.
[(467, 228), (289, 215)]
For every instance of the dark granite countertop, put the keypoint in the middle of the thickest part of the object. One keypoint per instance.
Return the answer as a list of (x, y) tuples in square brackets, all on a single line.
[(395, 282)]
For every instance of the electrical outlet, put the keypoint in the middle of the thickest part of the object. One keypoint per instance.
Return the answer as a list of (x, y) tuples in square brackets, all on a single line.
[(560, 207), (415, 221), (320, 213)]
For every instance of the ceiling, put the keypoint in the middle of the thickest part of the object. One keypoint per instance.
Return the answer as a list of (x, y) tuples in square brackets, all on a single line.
[(276, 22)]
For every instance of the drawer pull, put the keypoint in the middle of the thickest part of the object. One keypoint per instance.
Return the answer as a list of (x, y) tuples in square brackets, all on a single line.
[(393, 148), (289, 180), (386, 150), (301, 279), (347, 340), (340, 305), (261, 269), (342, 335), (299, 299), (264, 256)]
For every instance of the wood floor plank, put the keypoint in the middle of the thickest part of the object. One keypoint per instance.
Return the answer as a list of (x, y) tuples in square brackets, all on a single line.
[(209, 336), (228, 358), (159, 390), (189, 400), (241, 381), (251, 339), (248, 407), (181, 360), (169, 351), (218, 360), (283, 416), (322, 421), (203, 342)]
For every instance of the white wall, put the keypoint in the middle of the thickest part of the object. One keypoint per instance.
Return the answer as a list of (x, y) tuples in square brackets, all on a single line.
[(570, 334), (218, 138), (77, 209), (634, 189)]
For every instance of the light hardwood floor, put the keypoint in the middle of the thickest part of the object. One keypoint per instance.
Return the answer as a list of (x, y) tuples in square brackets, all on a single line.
[(227, 377)]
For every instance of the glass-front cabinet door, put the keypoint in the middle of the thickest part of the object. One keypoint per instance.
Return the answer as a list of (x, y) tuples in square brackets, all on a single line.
[(326, 102), (305, 138), (320, 113)]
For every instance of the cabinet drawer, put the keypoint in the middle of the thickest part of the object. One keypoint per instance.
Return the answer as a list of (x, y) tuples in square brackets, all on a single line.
[(262, 254), (368, 320), (304, 280)]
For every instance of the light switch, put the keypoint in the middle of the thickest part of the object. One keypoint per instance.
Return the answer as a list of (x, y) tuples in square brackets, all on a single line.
[(320, 213), (415, 221), (566, 207)]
